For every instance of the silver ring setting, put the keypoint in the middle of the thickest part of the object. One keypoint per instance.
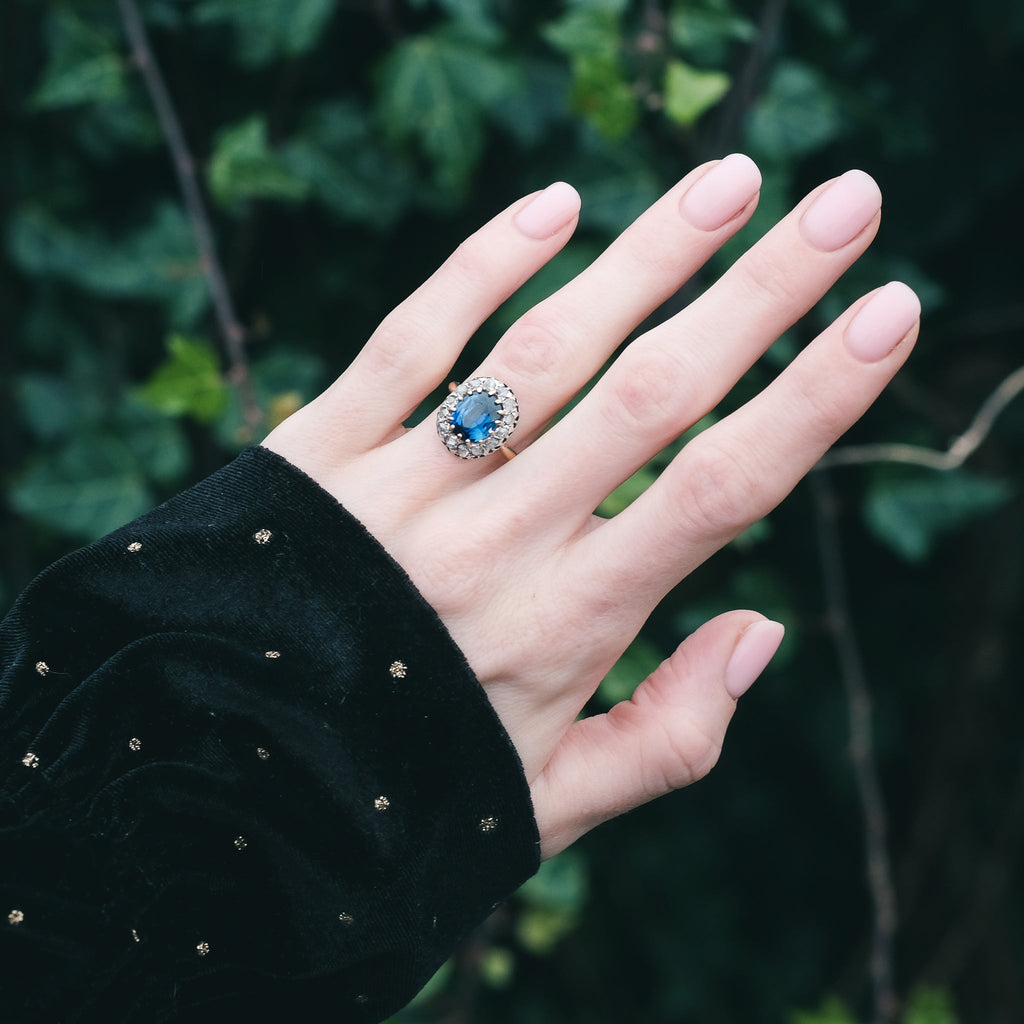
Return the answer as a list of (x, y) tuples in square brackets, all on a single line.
[(478, 418)]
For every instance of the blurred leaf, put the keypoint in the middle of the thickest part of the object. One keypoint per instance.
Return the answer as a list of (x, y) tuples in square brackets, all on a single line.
[(51, 405), (909, 513), (242, 166), (84, 63), (703, 31), (690, 93), (591, 36), (157, 261), (552, 901), (337, 155), (283, 379), (638, 661), (929, 1006), (796, 115), (435, 91), (267, 28), (90, 486), (627, 492), (497, 967), (832, 1011), (189, 383), (587, 30), (156, 442)]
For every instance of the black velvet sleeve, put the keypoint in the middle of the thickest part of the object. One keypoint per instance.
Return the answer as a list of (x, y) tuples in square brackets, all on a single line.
[(243, 767)]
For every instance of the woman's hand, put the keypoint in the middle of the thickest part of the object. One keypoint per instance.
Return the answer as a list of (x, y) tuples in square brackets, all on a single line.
[(542, 596)]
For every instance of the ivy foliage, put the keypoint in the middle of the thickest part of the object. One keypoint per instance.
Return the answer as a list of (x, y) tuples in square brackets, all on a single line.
[(342, 149)]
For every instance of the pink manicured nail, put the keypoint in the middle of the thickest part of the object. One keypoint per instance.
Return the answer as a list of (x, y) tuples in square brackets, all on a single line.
[(717, 197), (756, 647), (882, 322), (842, 211), (547, 213)]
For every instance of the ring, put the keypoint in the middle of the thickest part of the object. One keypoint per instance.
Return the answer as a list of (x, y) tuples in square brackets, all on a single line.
[(477, 418)]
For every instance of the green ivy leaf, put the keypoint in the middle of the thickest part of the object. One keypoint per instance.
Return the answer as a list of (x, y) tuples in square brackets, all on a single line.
[(929, 1006), (831, 1011), (243, 166), (705, 31), (590, 35), (435, 92), (591, 30), (338, 156), (797, 114), (552, 902), (600, 92), (90, 486), (638, 661), (283, 381), (189, 383), (269, 28), (157, 261), (690, 92), (909, 513), (85, 64)]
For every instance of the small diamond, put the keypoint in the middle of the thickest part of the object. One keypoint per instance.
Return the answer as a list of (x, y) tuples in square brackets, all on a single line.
[(273, 654), (488, 824), (240, 843), (134, 546), (398, 669), (382, 803), (262, 753), (30, 760), (262, 536), (42, 668), (15, 917), (346, 918), (202, 948), (135, 744)]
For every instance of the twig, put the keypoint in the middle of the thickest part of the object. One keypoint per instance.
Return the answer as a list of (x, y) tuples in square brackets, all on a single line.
[(231, 328), (746, 87), (858, 697), (957, 453)]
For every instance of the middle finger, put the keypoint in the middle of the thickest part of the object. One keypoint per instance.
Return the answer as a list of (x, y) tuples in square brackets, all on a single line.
[(668, 379)]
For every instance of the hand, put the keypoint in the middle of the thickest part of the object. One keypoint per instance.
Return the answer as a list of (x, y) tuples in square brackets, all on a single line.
[(542, 596)]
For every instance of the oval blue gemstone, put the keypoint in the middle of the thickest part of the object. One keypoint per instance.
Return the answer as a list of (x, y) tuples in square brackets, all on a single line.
[(475, 417)]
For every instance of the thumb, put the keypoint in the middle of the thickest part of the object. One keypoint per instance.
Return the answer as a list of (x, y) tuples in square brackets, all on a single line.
[(666, 736)]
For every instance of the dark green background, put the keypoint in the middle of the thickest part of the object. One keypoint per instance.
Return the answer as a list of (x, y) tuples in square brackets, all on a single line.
[(344, 149)]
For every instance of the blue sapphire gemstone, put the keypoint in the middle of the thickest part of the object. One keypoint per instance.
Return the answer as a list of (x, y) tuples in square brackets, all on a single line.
[(475, 417)]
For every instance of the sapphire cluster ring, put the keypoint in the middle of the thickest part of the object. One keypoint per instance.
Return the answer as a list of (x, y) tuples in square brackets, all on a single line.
[(478, 418)]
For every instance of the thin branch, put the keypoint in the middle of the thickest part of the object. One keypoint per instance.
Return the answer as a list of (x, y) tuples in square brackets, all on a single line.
[(957, 453), (747, 84), (862, 758), (231, 329)]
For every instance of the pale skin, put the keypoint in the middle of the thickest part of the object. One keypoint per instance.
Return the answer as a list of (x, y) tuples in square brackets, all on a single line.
[(540, 594)]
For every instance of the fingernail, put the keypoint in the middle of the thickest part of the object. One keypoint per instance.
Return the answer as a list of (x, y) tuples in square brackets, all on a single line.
[(549, 212), (755, 648), (717, 197), (842, 211), (882, 322)]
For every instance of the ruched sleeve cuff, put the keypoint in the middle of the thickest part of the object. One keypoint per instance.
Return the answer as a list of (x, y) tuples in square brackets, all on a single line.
[(242, 766)]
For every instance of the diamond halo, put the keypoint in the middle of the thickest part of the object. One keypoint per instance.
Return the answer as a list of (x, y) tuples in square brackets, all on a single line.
[(478, 417)]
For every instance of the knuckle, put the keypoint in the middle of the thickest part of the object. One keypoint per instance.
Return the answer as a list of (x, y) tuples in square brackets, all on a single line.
[(767, 278), (534, 346), (470, 266), (645, 393), (724, 495)]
